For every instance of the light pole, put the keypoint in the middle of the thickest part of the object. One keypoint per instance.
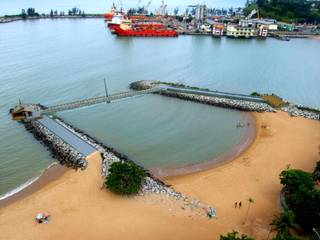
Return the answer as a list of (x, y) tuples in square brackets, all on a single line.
[(106, 90), (313, 229)]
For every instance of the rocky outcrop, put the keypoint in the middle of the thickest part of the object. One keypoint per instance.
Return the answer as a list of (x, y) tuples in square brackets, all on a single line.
[(223, 102), (143, 85)]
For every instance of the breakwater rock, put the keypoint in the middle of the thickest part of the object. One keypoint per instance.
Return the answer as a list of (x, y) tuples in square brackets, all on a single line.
[(143, 85), (226, 102), (222, 102), (63, 152), (297, 110)]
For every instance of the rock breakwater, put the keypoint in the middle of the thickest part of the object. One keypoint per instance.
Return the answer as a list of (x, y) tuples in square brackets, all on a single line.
[(297, 110), (222, 102), (63, 152)]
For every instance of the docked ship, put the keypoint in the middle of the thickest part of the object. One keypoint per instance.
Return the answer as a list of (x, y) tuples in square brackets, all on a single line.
[(114, 12), (116, 20), (144, 30)]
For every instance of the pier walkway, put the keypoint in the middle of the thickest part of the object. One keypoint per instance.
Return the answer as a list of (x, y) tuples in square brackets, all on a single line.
[(96, 100), (67, 136), (161, 87)]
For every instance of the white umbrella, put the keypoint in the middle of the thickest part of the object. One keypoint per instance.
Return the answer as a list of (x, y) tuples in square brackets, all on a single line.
[(39, 216)]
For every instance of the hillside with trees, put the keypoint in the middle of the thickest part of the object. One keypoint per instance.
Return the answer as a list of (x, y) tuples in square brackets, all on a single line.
[(302, 11)]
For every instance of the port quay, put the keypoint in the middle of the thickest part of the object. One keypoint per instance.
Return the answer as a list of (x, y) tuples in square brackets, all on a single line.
[(197, 20)]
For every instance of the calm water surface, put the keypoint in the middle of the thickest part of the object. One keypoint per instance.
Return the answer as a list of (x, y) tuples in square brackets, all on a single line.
[(52, 61)]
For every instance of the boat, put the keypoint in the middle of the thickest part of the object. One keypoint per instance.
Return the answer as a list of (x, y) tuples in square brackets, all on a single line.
[(109, 16), (145, 29), (114, 12), (145, 32), (117, 19)]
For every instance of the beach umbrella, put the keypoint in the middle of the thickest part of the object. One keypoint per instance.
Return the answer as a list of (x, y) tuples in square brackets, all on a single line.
[(39, 216)]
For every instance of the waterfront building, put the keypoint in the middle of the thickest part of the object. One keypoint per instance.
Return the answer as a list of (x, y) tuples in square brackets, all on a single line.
[(236, 31), (217, 30), (256, 23), (286, 27), (263, 31)]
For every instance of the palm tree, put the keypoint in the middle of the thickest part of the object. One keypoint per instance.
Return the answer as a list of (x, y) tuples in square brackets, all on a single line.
[(284, 222), (250, 200)]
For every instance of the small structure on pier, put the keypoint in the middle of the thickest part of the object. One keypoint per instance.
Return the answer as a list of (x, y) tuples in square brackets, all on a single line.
[(25, 112)]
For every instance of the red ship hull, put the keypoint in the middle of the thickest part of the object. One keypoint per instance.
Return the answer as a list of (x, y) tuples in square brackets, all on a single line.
[(145, 33)]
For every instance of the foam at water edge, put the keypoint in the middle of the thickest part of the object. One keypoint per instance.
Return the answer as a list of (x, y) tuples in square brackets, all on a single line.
[(24, 185)]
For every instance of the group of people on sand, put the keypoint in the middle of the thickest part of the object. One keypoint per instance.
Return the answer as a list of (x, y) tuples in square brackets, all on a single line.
[(238, 204), (43, 217)]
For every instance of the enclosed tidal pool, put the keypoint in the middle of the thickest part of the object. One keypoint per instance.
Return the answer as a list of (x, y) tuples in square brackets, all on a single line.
[(53, 61)]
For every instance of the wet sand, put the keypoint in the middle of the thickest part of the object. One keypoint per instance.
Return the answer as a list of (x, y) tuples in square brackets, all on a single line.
[(81, 210), (54, 172)]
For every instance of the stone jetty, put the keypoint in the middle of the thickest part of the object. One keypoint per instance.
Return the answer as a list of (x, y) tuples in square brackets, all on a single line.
[(302, 111), (63, 152), (293, 110), (226, 102), (222, 102)]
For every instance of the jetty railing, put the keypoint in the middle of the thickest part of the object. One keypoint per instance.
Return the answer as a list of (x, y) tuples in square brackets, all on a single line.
[(96, 100)]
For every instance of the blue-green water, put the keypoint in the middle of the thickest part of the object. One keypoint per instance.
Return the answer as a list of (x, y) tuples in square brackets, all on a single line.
[(52, 61)]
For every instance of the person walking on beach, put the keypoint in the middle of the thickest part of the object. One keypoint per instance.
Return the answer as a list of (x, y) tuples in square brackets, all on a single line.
[(235, 204), (240, 204)]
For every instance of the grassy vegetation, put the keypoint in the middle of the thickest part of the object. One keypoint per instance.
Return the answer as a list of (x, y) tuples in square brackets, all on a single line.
[(274, 100)]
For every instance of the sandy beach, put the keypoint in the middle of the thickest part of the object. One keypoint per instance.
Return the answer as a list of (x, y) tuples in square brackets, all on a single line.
[(80, 209)]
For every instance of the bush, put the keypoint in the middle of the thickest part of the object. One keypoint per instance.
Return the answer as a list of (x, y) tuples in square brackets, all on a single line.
[(234, 236), (255, 94), (125, 178)]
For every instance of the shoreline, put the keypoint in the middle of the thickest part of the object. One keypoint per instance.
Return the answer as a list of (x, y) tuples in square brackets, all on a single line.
[(55, 171), (48, 175), (76, 201), (224, 158)]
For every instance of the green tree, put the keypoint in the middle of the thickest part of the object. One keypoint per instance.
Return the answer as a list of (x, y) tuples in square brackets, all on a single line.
[(305, 204), (293, 179), (303, 198), (23, 14), (125, 178), (251, 201), (286, 236), (284, 222), (234, 236), (316, 172)]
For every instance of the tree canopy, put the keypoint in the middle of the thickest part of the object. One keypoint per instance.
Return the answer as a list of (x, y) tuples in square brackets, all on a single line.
[(287, 10), (125, 178), (303, 198)]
